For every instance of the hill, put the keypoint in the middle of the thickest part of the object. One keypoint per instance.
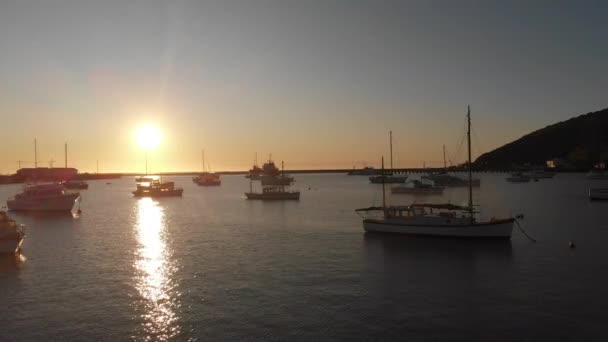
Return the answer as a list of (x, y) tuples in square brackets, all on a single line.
[(580, 142)]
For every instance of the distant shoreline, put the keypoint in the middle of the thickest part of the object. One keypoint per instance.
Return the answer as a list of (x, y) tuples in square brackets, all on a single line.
[(13, 179)]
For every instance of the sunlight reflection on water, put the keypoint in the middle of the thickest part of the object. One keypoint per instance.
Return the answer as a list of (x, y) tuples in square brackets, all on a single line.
[(155, 269)]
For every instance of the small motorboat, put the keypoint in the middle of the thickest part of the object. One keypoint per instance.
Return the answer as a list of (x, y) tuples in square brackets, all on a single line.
[(79, 185), (11, 235), (273, 193), (598, 194), (44, 197), (418, 187), (157, 189), (519, 177)]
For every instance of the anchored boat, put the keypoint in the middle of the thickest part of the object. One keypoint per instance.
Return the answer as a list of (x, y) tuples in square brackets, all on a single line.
[(417, 187), (273, 193), (157, 188), (79, 185), (43, 197), (436, 219)]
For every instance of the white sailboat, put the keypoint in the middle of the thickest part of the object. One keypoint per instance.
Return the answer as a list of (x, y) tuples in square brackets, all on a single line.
[(437, 219)]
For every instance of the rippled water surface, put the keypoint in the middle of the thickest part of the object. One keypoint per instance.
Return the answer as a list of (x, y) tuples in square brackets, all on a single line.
[(214, 266)]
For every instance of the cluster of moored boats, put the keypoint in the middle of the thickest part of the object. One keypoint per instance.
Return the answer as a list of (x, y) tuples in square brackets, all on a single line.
[(274, 182), (429, 219)]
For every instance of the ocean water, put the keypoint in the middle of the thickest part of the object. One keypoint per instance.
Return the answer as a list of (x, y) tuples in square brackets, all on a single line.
[(214, 266)]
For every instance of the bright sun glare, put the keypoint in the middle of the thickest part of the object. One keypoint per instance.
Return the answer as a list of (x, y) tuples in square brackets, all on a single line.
[(148, 137)]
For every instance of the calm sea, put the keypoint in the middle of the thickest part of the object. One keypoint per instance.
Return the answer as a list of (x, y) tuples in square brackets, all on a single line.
[(214, 266)]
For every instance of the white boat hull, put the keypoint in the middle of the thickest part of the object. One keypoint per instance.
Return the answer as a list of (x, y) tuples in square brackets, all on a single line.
[(47, 204), (492, 229)]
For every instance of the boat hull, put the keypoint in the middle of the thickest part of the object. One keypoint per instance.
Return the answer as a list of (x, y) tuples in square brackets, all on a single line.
[(10, 245), (388, 179), (491, 229), (62, 203), (598, 194), (285, 196), (270, 181), (163, 193), (417, 191)]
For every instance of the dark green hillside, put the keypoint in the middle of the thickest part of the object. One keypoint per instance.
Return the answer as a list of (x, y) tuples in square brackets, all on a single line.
[(582, 141)]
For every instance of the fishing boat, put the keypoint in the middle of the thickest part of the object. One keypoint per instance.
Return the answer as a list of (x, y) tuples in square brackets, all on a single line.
[(445, 220), (366, 171), (11, 235), (273, 193), (418, 187), (207, 178), (50, 197), (255, 172), (276, 180), (281, 179), (78, 185), (270, 169), (518, 177), (598, 194), (389, 177), (157, 188)]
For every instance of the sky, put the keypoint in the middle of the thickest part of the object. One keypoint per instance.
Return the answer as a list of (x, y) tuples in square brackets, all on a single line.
[(319, 84)]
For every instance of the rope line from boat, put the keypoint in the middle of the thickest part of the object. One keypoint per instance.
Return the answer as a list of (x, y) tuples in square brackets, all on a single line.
[(522, 229)]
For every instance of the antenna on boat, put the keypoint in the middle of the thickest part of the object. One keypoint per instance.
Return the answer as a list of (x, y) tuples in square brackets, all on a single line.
[(470, 165), (146, 156), (66, 155), (255, 160), (203, 159)]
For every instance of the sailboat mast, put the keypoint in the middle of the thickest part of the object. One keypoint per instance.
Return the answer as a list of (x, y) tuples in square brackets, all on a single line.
[(66, 155), (391, 146), (445, 166), (35, 154), (282, 175), (203, 157), (470, 165), (383, 190)]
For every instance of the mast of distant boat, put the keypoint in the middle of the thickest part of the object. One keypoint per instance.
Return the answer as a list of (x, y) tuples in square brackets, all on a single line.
[(391, 147), (445, 166), (203, 159), (282, 175), (383, 190), (35, 154), (470, 165)]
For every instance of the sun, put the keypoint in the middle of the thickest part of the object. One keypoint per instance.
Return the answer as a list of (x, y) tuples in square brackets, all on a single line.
[(148, 137)]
